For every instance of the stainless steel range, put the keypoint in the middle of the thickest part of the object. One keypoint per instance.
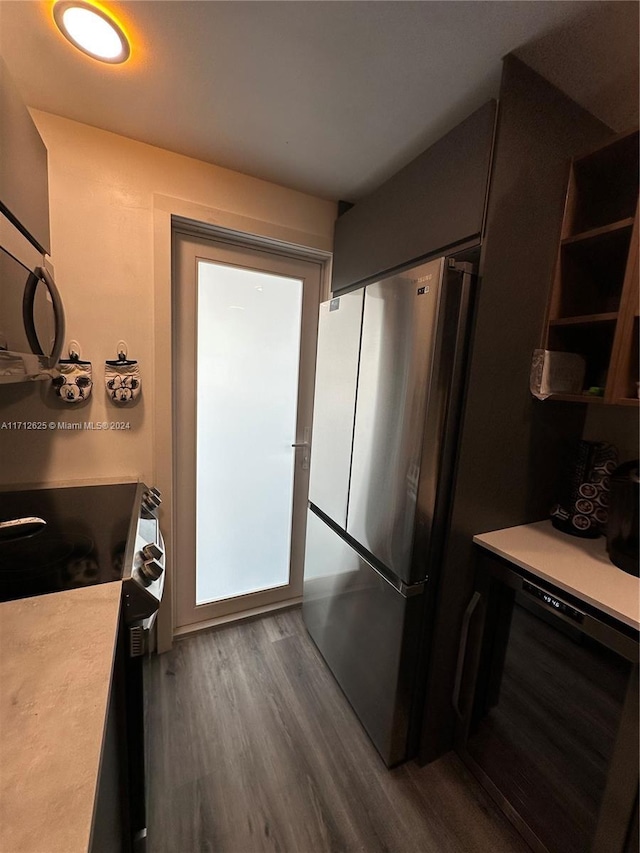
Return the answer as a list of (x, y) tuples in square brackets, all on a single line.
[(58, 539)]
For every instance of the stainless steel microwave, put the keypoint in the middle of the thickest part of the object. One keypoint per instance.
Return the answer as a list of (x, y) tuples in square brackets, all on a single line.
[(31, 315), (31, 311)]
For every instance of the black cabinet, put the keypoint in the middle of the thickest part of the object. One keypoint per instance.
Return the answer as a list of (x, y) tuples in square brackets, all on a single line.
[(435, 202), (511, 445), (24, 182)]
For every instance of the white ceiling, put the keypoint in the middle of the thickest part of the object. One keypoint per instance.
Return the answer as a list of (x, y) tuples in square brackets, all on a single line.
[(326, 97)]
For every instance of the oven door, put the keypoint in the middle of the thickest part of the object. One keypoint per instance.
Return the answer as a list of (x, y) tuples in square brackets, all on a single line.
[(120, 822), (547, 703)]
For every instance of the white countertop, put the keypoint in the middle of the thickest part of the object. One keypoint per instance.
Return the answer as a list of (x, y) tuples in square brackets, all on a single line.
[(578, 566), (56, 656)]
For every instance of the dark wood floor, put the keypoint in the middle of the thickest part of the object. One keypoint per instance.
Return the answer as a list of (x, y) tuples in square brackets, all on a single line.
[(252, 747)]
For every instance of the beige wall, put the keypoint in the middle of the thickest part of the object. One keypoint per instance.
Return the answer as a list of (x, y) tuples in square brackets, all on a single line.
[(104, 190)]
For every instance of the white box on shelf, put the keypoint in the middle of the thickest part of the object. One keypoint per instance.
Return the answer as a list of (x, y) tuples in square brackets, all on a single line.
[(556, 373)]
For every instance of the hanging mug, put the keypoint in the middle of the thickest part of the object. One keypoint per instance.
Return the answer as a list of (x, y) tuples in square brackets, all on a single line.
[(122, 380), (74, 383)]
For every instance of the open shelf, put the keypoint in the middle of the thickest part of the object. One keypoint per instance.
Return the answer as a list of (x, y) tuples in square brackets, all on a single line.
[(592, 271), (594, 233), (631, 367), (577, 398), (605, 184), (593, 342), (593, 308), (585, 319)]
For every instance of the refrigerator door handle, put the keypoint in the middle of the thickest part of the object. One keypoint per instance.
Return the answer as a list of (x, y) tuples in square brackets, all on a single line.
[(458, 371)]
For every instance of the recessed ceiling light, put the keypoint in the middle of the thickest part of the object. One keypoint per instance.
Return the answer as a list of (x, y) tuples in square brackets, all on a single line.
[(92, 30)]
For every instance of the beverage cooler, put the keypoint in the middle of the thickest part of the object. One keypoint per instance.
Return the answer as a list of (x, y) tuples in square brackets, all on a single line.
[(546, 696)]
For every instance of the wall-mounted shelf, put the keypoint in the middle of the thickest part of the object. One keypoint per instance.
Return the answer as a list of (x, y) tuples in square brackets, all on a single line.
[(585, 320), (577, 398), (593, 309), (602, 231)]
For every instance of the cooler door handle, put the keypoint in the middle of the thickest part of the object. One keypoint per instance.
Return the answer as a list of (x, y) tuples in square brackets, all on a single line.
[(462, 651)]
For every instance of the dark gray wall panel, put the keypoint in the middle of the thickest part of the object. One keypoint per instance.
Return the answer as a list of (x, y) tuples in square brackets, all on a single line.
[(511, 445), (24, 184), (437, 200)]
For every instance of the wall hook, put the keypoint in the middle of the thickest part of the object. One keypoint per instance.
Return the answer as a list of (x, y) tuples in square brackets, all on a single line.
[(122, 359)]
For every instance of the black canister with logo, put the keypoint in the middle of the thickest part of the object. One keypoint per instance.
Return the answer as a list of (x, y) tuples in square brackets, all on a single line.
[(582, 508)]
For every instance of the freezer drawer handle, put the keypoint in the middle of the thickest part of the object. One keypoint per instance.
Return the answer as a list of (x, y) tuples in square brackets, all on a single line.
[(462, 651)]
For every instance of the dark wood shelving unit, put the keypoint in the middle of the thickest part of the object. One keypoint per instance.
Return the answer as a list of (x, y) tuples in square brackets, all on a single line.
[(593, 309)]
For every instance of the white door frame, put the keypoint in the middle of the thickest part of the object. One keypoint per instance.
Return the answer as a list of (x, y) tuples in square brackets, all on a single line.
[(168, 210), (188, 252)]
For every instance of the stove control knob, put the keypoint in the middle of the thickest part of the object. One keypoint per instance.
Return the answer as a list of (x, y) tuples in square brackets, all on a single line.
[(151, 570), (151, 500), (151, 552), (154, 496)]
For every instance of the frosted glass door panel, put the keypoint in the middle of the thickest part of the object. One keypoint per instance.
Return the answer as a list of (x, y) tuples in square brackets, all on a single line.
[(248, 351)]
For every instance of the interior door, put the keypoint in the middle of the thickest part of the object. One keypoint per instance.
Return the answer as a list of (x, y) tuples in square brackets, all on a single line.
[(245, 333)]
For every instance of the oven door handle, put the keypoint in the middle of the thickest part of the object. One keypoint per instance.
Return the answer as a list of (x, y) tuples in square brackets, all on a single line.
[(21, 528), (462, 652)]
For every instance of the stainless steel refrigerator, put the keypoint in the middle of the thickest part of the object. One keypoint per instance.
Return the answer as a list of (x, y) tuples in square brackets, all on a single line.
[(389, 377)]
